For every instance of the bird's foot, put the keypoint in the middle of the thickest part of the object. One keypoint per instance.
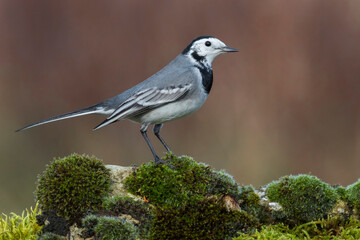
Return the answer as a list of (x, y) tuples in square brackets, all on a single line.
[(159, 161)]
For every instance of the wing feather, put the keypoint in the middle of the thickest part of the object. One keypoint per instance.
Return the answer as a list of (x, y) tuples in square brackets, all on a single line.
[(145, 100)]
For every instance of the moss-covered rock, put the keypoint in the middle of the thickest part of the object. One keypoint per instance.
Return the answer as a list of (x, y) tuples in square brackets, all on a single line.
[(304, 198), (73, 185), (180, 182), (190, 200), (184, 199)]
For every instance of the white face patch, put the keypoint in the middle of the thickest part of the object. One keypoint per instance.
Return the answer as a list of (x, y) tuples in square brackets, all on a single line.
[(208, 49)]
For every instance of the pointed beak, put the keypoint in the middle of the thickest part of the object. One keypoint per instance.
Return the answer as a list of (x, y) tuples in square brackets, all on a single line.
[(228, 49)]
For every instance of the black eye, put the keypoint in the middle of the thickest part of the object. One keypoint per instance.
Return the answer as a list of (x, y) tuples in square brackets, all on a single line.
[(208, 43)]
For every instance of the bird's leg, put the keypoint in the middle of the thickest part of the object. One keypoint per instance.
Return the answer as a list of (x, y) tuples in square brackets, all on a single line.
[(143, 133), (156, 130)]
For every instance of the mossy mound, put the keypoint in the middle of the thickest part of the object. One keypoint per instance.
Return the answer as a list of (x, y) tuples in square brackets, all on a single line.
[(184, 199), (304, 198), (73, 185), (180, 182), (188, 196), (111, 228)]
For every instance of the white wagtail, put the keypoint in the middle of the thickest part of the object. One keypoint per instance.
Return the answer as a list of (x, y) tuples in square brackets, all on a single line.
[(177, 90)]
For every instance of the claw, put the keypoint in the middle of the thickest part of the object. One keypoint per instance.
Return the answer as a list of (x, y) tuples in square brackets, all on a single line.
[(159, 161)]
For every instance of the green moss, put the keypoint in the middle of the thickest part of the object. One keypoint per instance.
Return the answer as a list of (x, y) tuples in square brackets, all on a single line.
[(351, 230), (20, 227), (221, 183), (250, 202), (270, 232), (141, 211), (249, 197), (341, 191), (73, 185), (352, 195), (187, 181), (304, 198), (188, 200), (335, 228), (111, 228), (204, 219), (51, 236), (53, 223)]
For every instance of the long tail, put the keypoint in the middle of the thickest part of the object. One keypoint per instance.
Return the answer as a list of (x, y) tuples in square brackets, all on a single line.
[(85, 111)]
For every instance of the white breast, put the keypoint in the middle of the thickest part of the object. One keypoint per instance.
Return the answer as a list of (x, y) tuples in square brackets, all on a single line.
[(171, 111)]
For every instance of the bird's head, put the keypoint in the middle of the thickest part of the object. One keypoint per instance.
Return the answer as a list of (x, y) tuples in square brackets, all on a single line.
[(205, 49)]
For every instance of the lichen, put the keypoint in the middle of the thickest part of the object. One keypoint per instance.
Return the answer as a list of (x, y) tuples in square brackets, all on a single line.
[(304, 198), (73, 185)]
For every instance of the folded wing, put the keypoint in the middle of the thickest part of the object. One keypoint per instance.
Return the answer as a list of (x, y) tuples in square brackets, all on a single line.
[(144, 101)]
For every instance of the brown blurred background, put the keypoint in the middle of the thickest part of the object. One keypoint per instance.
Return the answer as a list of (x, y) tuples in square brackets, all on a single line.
[(286, 103)]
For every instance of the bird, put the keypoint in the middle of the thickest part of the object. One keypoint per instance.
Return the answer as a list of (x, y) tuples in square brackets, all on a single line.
[(177, 90)]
